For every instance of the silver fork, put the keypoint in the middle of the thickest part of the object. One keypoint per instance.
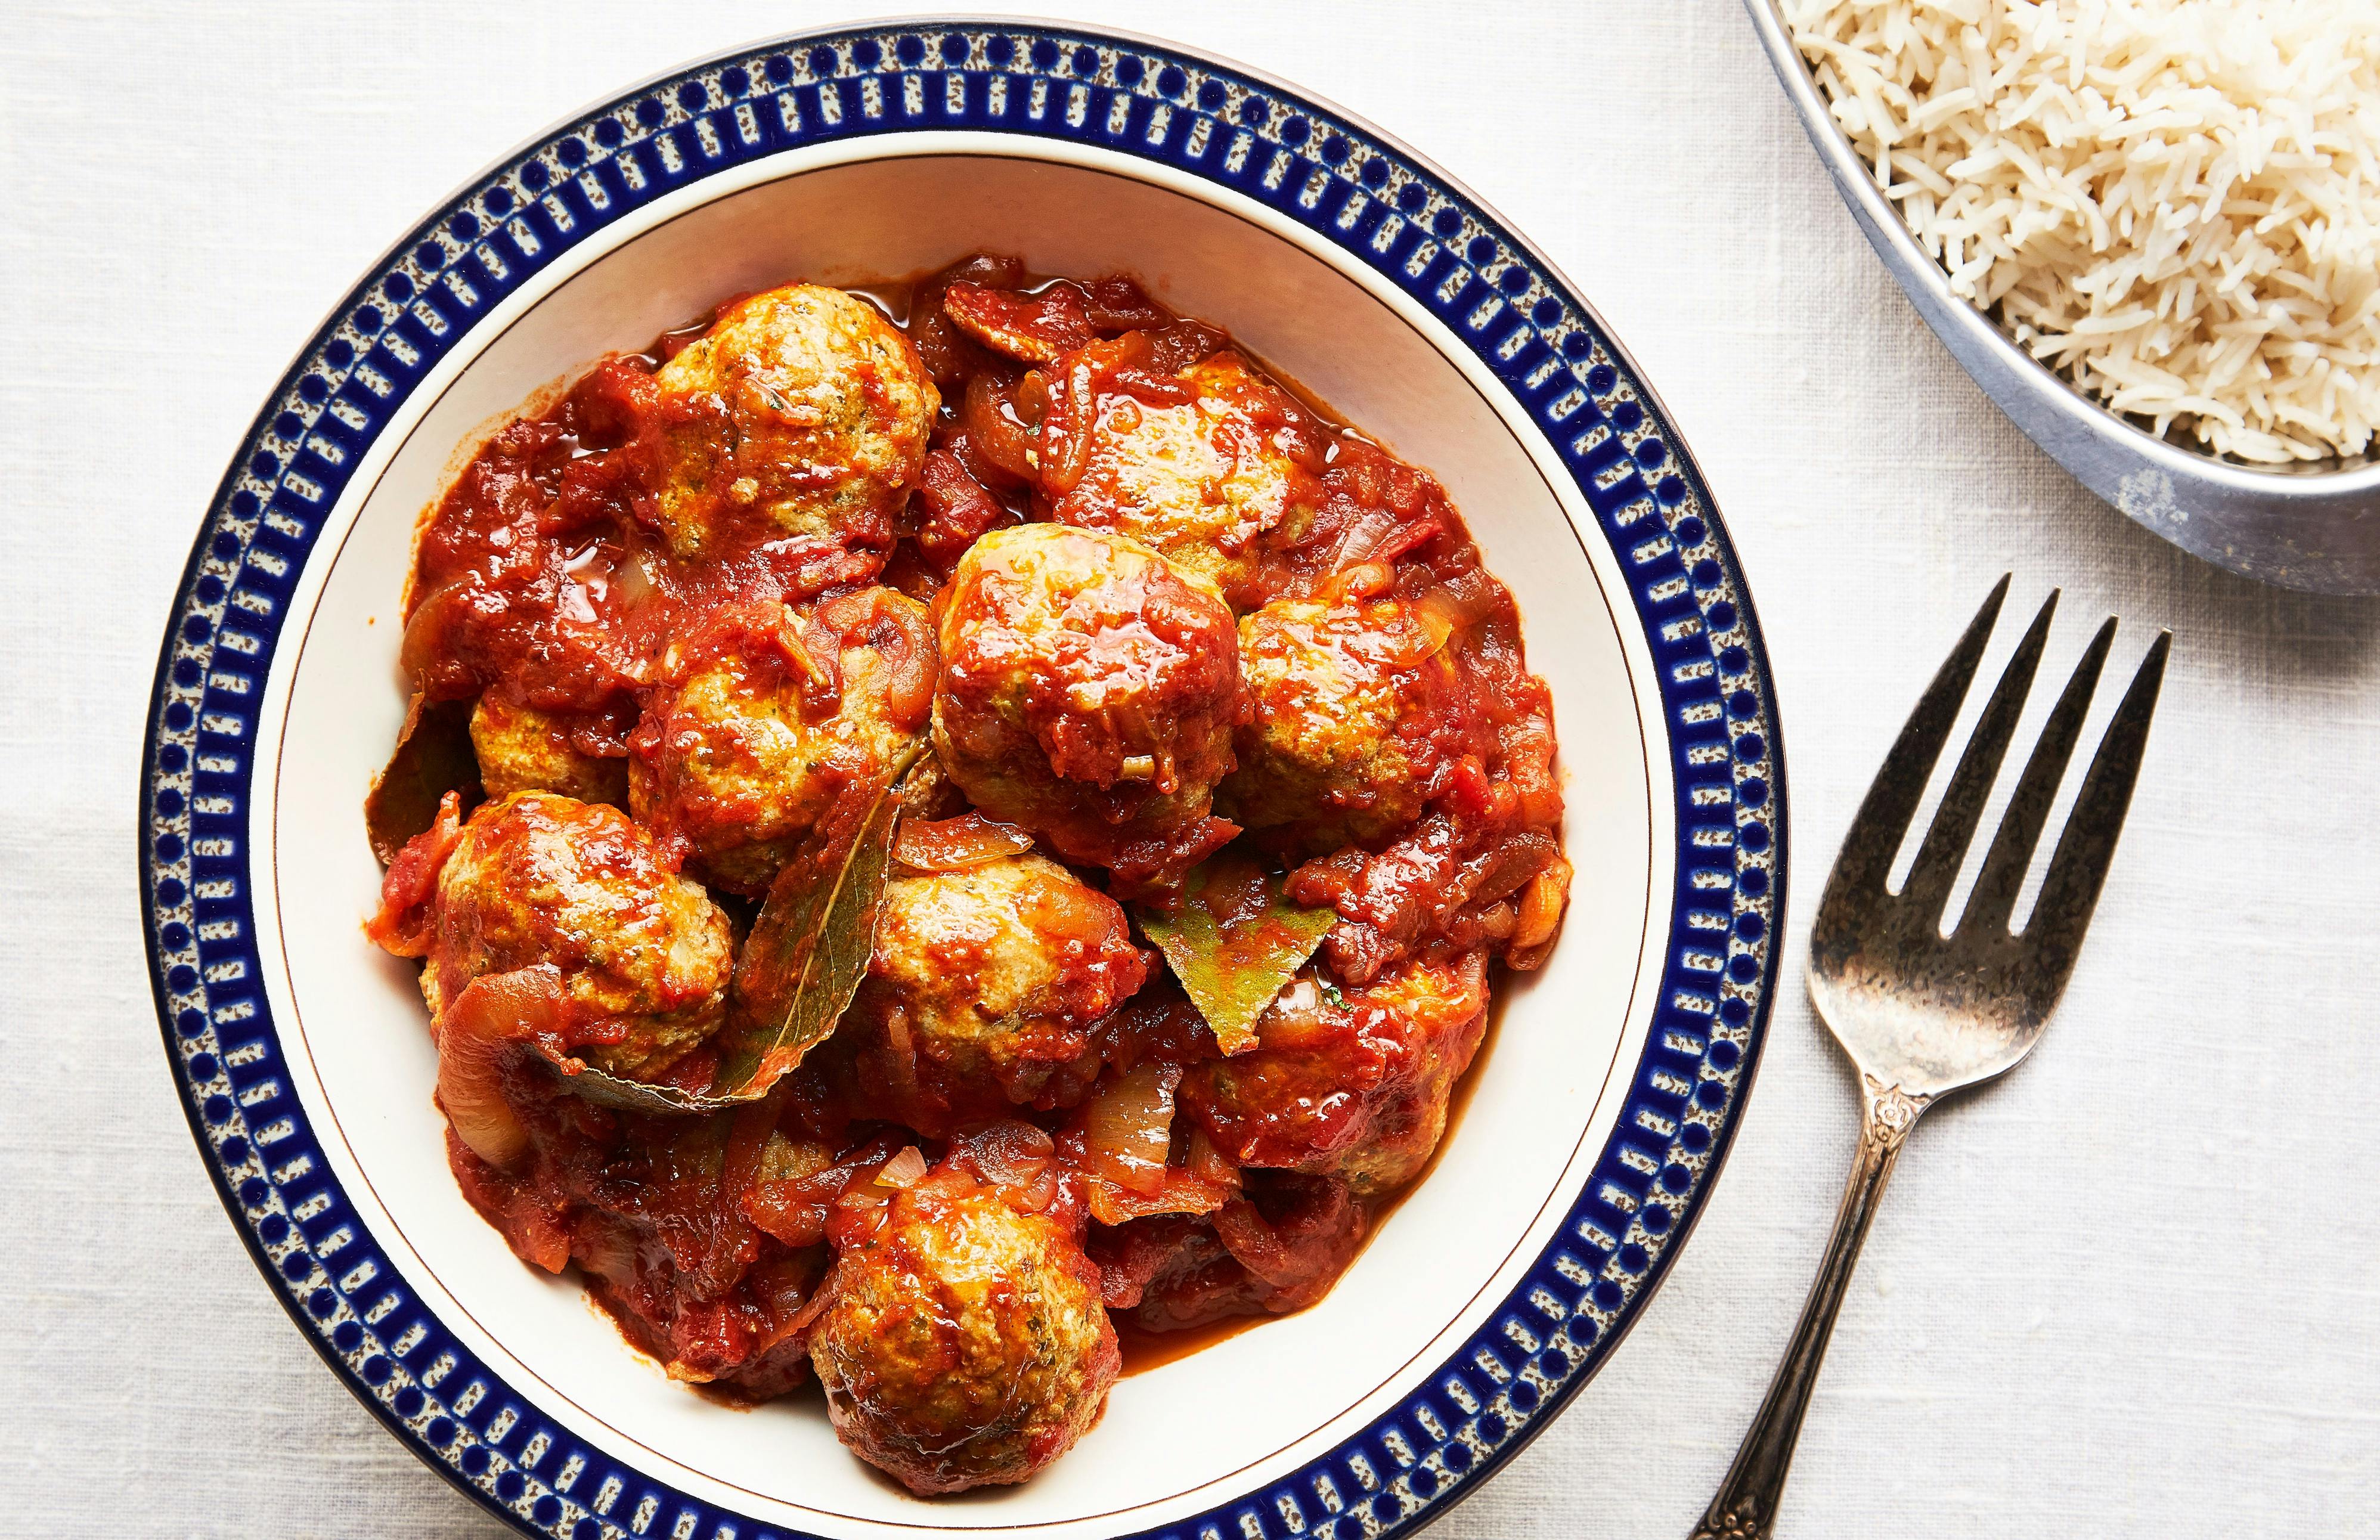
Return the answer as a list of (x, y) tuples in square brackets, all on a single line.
[(1921, 1013)]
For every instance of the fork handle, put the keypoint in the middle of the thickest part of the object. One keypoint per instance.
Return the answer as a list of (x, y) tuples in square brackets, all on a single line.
[(1745, 1507)]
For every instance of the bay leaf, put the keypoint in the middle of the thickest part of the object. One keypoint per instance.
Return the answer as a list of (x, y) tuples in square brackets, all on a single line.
[(804, 960), (434, 755), (1235, 941)]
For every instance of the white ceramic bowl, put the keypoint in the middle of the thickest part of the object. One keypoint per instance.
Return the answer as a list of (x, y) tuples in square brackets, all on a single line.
[(1603, 1103)]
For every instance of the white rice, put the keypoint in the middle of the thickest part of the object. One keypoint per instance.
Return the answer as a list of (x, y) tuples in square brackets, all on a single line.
[(2175, 202)]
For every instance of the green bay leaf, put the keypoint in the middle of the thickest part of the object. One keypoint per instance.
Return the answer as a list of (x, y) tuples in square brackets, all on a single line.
[(1235, 941), (805, 959)]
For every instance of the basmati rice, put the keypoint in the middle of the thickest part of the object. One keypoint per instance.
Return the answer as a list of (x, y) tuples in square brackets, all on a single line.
[(2174, 202)]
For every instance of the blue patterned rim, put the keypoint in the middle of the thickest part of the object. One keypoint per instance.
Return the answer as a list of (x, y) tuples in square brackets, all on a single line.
[(1318, 166)]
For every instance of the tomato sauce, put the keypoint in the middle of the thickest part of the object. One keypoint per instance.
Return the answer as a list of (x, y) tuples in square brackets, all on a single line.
[(562, 574)]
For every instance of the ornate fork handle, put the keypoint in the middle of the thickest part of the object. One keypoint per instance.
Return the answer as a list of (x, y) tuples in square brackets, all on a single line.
[(1745, 1507)]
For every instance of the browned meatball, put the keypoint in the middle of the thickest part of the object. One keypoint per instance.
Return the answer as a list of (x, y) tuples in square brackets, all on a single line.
[(1352, 1084), (521, 748), (981, 989), (964, 1342), (538, 878), (802, 413), (1356, 716), (1211, 481), (1089, 691), (767, 716)]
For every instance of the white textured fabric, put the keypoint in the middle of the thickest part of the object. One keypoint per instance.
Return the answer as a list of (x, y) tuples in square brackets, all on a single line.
[(2126, 1291)]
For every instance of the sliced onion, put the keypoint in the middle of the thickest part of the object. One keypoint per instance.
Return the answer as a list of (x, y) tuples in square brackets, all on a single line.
[(955, 844), (1541, 906), (988, 416), (903, 1169), (1503, 870), (1128, 1128), (481, 1033), (1302, 1016), (1065, 910), (633, 581), (426, 629), (945, 1181), (1408, 538), (858, 1214), (1362, 580), (1477, 594), (1065, 450), (912, 665), (1118, 304), (1181, 1193), (902, 637), (1366, 534), (1254, 1244), (1011, 1152), (788, 638), (1035, 327), (1439, 616), (1446, 610), (1207, 1163), (1300, 1251), (607, 1250), (1034, 1197)]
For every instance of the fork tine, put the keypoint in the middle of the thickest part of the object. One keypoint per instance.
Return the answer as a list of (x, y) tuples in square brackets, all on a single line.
[(2070, 892), (1876, 833), (1936, 867), (2002, 878)]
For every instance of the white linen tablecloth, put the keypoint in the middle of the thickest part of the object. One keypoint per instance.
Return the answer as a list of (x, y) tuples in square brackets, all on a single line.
[(2126, 1291)]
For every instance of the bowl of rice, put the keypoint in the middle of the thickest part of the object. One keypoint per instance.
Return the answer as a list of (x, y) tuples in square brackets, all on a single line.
[(2150, 229)]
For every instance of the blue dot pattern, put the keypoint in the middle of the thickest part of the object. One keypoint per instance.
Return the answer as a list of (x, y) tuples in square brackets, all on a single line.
[(1335, 177)]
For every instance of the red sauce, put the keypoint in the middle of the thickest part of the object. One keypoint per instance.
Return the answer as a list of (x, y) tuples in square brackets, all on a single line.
[(1144, 1350), (570, 571)]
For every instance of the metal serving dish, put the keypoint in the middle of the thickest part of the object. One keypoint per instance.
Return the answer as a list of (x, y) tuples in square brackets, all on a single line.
[(2315, 526)]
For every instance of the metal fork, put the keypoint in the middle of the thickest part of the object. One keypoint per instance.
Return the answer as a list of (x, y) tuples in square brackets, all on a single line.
[(1922, 1014)]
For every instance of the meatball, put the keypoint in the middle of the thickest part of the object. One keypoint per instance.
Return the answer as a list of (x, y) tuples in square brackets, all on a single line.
[(1211, 482), (1351, 1085), (801, 412), (963, 1343), (537, 878), (765, 716), (521, 748), (1356, 715), (981, 989), (1089, 692)]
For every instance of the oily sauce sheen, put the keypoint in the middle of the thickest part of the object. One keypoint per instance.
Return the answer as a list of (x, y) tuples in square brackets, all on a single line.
[(1124, 616)]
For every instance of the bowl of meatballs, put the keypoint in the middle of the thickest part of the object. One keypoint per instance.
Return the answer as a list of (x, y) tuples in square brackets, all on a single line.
[(961, 776)]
